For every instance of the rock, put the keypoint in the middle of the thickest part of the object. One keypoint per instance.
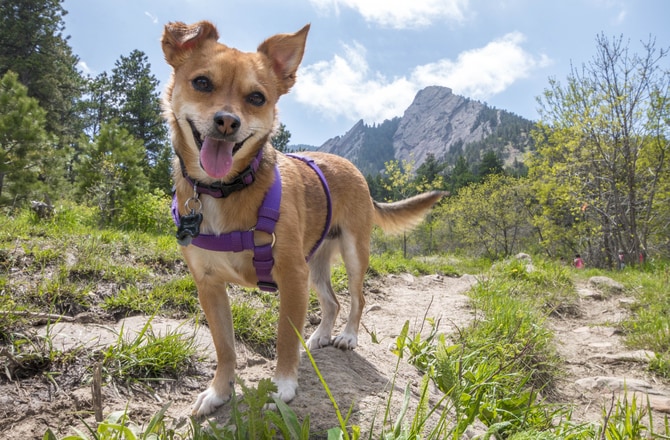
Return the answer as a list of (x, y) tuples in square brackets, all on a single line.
[(642, 356), (522, 256), (609, 384), (435, 122), (606, 284)]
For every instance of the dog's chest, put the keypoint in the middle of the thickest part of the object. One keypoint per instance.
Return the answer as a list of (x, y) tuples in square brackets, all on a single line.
[(231, 267)]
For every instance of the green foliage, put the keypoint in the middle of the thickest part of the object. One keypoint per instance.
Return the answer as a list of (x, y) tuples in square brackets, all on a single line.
[(256, 324), (147, 212), (24, 144), (462, 175), (489, 219), (110, 171), (281, 138), (490, 164), (648, 326), (395, 263), (506, 129), (602, 154), (33, 46), (496, 367), (176, 298), (377, 147), (147, 355)]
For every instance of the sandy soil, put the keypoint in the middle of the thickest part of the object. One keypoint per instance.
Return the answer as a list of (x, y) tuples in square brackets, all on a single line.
[(360, 379)]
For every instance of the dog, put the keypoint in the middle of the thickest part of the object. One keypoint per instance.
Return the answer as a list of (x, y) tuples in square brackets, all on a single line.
[(220, 104)]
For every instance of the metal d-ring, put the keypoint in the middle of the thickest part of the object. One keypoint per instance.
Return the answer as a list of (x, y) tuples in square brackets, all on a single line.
[(274, 237), (196, 208)]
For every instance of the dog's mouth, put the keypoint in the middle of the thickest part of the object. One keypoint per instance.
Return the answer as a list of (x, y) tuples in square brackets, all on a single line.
[(216, 155)]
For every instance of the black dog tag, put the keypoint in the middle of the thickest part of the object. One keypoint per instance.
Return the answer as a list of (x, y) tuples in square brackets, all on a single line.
[(189, 228)]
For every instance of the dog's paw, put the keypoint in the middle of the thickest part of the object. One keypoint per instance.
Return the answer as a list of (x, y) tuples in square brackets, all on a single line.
[(317, 341), (346, 341), (207, 402), (286, 389)]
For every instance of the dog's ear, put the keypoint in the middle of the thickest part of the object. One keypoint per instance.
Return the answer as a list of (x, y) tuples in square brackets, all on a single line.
[(285, 53), (180, 38)]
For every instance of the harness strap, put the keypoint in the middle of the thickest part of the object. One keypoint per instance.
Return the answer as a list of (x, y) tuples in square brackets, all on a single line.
[(268, 215), (329, 202), (238, 241)]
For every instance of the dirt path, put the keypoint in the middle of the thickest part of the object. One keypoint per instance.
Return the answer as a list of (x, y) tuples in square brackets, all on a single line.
[(360, 379)]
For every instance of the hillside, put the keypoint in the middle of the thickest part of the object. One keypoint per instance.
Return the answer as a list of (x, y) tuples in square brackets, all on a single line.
[(437, 123)]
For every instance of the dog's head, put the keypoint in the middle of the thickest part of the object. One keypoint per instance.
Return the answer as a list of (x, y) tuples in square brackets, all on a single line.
[(220, 101)]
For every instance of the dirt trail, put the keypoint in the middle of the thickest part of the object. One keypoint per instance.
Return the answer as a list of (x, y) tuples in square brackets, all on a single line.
[(360, 379)]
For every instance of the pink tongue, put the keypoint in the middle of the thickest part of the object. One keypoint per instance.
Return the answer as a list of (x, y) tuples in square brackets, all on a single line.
[(216, 157)]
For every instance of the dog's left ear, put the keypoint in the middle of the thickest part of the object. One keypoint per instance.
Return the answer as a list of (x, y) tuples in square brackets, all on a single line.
[(285, 53)]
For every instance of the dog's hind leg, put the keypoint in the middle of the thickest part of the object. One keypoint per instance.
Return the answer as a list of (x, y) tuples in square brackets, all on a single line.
[(320, 278), (356, 254)]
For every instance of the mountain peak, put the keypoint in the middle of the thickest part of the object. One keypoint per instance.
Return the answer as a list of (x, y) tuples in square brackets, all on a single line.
[(437, 123)]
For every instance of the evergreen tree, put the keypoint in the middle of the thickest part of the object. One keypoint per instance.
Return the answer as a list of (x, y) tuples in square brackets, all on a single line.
[(130, 96), (98, 107), (137, 99), (34, 47), (490, 164), (461, 175), (281, 139), (110, 171), (22, 141), (430, 170)]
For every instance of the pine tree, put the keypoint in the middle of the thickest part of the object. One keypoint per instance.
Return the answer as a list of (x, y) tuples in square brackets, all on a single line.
[(34, 47), (281, 139), (22, 141), (110, 170), (136, 100)]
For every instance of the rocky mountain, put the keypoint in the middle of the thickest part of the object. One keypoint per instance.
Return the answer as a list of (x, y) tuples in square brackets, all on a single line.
[(437, 122)]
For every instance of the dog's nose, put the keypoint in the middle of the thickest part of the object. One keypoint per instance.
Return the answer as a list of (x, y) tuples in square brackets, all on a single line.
[(227, 123)]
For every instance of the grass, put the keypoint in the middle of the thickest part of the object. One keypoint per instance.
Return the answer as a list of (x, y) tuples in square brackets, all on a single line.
[(649, 327), (500, 371), (149, 356)]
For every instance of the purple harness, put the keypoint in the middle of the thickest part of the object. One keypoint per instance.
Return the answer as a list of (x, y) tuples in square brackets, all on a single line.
[(238, 241)]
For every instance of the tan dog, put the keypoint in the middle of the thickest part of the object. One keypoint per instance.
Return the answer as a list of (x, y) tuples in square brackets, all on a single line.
[(220, 104)]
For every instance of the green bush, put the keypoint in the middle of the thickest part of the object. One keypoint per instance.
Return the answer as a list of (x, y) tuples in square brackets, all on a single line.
[(147, 212)]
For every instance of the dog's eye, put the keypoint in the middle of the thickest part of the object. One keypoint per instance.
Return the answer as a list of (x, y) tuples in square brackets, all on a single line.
[(256, 98), (202, 84)]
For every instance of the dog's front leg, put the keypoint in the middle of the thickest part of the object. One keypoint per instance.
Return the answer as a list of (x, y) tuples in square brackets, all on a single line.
[(214, 301), (293, 301)]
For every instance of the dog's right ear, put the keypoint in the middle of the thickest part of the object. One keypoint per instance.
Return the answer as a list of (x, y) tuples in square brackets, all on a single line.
[(180, 38)]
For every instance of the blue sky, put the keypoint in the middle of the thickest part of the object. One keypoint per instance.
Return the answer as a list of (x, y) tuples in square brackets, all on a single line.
[(366, 59)]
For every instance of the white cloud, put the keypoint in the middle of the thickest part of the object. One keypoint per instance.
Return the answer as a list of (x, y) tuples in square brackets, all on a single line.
[(400, 14), (345, 86), (152, 17), (83, 67), (483, 72), (621, 17)]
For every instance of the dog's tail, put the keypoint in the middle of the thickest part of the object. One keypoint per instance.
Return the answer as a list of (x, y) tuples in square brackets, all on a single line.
[(405, 214)]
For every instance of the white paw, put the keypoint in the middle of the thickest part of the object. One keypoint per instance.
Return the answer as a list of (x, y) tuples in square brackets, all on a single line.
[(317, 341), (346, 341), (286, 389), (207, 402)]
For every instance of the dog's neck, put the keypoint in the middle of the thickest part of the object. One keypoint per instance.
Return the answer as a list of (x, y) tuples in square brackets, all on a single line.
[(224, 189)]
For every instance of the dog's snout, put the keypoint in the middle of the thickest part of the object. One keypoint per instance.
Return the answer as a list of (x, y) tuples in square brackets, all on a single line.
[(227, 123)]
